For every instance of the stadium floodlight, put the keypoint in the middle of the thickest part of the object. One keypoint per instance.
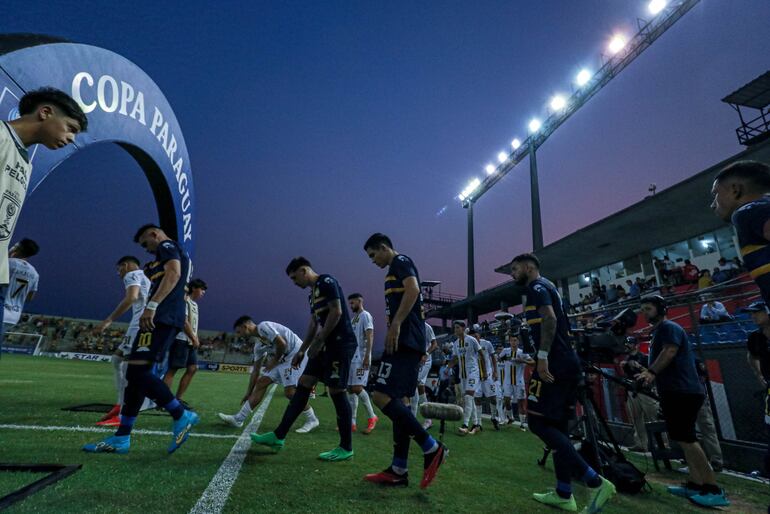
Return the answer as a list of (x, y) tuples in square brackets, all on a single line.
[(469, 189), (515, 144), (558, 102), (583, 77), (534, 125), (655, 6), (617, 43), (489, 168), (502, 157)]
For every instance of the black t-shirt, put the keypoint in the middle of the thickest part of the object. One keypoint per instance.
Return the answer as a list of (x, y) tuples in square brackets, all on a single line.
[(759, 348), (681, 375), (412, 332), (171, 311), (562, 360), (325, 291)]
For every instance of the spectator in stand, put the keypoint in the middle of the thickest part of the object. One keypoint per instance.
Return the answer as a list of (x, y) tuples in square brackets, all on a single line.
[(719, 276), (705, 279), (738, 265), (728, 267), (661, 267), (622, 296), (610, 294), (713, 311), (677, 271), (633, 289), (690, 272)]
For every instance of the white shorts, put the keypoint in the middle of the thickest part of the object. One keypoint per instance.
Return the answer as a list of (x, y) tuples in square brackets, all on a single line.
[(519, 392), (470, 384), (487, 388), (284, 374), (125, 345), (422, 374), (358, 375)]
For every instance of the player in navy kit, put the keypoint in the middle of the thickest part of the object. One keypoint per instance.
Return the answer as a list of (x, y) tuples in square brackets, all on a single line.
[(162, 319), (553, 387), (398, 373), (330, 344)]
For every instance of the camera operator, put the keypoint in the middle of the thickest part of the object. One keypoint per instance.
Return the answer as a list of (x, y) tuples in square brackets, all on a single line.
[(758, 356), (640, 407), (681, 397), (553, 387)]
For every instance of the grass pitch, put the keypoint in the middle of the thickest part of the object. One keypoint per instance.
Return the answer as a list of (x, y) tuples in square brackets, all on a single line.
[(490, 472)]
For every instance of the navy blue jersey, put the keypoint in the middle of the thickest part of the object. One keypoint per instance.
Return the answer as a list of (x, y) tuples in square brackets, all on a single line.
[(325, 291), (171, 310), (749, 221), (562, 360), (680, 375), (412, 333)]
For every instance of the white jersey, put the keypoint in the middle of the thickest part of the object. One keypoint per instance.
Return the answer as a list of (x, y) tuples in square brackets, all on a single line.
[(137, 278), (23, 280), (513, 373), (485, 363), (361, 323), (429, 337), (15, 170), (191, 311), (269, 331), (467, 352)]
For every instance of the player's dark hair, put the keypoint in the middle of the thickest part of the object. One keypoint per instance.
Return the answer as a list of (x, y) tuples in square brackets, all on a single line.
[(27, 248), (355, 295), (459, 323), (376, 240), (241, 321), (756, 174), (527, 257), (143, 229), (296, 263), (197, 283), (128, 258), (59, 99)]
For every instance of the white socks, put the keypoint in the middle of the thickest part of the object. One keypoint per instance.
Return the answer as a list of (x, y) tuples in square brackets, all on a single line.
[(414, 403), (477, 414), (500, 413), (353, 399), (364, 396), (523, 418), (119, 372), (244, 413), (468, 409), (310, 414)]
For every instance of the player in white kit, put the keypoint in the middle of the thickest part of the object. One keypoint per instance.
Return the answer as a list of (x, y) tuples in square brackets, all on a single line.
[(363, 327), (422, 375), (487, 379), (23, 281), (512, 380), (274, 350), (137, 290), (465, 354)]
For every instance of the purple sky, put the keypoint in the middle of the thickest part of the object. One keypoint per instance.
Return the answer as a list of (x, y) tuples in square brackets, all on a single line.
[(312, 125)]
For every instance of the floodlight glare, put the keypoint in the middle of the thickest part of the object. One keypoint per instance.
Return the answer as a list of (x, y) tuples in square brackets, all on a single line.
[(515, 144), (655, 6), (617, 43), (558, 102), (534, 125), (583, 77), (489, 168), (502, 157), (469, 189)]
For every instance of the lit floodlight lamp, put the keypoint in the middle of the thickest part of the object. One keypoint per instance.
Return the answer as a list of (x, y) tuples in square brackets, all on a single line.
[(502, 157), (655, 6), (515, 144), (469, 189), (534, 125), (583, 77), (489, 168), (617, 43), (558, 102)]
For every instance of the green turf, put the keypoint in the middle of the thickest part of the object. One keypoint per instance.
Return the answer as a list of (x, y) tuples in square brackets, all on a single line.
[(491, 472)]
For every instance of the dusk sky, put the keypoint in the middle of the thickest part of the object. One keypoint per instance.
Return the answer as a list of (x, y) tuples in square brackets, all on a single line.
[(311, 125)]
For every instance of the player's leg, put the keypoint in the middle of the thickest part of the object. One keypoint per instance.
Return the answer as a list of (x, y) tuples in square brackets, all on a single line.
[(478, 396), (468, 387), (238, 419), (353, 399), (191, 367), (290, 378)]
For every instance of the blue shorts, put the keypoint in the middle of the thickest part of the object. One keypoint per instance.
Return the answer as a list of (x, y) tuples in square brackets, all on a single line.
[(331, 367), (182, 355), (398, 373), (555, 401), (153, 346)]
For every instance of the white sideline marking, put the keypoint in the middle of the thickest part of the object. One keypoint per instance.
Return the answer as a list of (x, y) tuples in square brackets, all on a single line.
[(78, 428), (216, 494)]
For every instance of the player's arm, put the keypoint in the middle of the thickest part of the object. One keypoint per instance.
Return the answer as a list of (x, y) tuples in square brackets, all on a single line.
[(433, 346), (190, 333), (411, 293), (547, 335), (664, 359), (172, 273), (131, 295), (312, 328), (494, 365), (756, 368), (332, 318), (369, 336), (280, 350), (253, 378)]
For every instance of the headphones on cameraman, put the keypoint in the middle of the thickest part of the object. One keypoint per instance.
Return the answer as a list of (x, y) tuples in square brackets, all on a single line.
[(658, 301)]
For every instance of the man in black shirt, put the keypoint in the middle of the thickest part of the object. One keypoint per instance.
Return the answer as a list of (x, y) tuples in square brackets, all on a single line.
[(330, 344), (399, 367), (758, 356)]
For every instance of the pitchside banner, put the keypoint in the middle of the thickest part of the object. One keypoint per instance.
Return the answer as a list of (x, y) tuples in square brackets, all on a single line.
[(123, 105)]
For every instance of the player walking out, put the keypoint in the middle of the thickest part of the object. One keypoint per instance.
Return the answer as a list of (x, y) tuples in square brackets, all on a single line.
[(363, 327), (422, 375), (330, 344), (397, 376), (23, 281), (162, 319), (465, 355)]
